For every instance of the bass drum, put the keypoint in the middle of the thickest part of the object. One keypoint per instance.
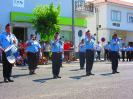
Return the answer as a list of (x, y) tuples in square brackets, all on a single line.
[(11, 53)]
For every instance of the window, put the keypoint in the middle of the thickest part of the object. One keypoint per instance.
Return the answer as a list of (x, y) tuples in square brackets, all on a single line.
[(130, 18), (115, 15)]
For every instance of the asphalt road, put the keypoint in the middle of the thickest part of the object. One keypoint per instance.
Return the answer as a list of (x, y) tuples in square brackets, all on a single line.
[(73, 84)]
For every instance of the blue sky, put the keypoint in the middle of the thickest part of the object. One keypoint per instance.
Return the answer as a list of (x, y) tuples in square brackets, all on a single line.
[(121, 0)]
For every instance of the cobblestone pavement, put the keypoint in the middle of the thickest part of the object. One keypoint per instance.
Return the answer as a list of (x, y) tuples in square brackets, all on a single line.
[(73, 84)]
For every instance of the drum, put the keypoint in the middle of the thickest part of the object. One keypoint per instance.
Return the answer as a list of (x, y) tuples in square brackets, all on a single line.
[(11, 53)]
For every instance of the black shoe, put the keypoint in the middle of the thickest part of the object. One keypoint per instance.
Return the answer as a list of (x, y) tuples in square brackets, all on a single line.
[(92, 74), (87, 74), (58, 76), (33, 73), (54, 77), (30, 73), (81, 68), (10, 80), (117, 72), (113, 72), (5, 80)]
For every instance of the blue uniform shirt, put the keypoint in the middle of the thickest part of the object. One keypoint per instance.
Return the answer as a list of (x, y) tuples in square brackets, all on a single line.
[(89, 45), (114, 45), (123, 49), (131, 48), (128, 48), (62, 46), (56, 46), (6, 40), (82, 48), (107, 46), (33, 46)]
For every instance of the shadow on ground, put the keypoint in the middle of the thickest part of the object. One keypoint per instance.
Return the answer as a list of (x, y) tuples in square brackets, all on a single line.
[(78, 77), (2, 82), (76, 69), (43, 80), (20, 75), (106, 74)]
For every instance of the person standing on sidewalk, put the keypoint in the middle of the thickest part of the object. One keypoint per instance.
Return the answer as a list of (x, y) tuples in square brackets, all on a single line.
[(89, 43), (114, 47), (6, 40), (33, 48), (56, 48), (82, 50), (47, 51)]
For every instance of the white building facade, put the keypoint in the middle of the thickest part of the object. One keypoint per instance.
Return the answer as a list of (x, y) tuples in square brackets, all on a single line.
[(109, 17)]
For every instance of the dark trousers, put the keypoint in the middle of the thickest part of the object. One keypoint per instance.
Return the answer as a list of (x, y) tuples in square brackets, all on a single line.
[(114, 60), (82, 59), (132, 55), (123, 55), (128, 54), (56, 63), (106, 54), (98, 55), (89, 60), (7, 67), (32, 60)]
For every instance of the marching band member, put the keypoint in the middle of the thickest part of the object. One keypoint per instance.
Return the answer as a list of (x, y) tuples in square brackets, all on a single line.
[(6, 40), (82, 50), (56, 48), (114, 47), (89, 43), (33, 48), (123, 51), (107, 51), (98, 50), (128, 52)]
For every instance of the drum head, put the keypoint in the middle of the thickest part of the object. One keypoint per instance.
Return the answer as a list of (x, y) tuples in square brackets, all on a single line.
[(11, 59)]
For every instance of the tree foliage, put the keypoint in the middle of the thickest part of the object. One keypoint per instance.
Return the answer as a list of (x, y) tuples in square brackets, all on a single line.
[(46, 20)]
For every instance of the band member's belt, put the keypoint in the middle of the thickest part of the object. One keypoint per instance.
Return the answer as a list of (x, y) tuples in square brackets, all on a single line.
[(89, 49), (56, 52)]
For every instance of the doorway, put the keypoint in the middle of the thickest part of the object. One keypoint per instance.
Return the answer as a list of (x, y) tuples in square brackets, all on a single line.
[(20, 33)]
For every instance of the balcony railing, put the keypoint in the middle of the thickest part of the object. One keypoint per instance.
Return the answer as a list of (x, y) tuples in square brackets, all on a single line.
[(81, 5)]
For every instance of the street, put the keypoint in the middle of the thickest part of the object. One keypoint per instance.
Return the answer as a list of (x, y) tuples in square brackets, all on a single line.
[(73, 84)]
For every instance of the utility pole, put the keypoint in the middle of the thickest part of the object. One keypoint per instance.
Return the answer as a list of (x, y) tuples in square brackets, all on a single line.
[(73, 21)]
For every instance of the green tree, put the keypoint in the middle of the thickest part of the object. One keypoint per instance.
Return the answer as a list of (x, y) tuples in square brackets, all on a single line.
[(46, 20)]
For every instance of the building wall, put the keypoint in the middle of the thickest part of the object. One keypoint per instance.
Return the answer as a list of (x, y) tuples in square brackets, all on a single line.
[(129, 37), (99, 18), (104, 33), (77, 38), (124, 25), (102, 16), (29, 5), (91, 23), (107, 29)]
